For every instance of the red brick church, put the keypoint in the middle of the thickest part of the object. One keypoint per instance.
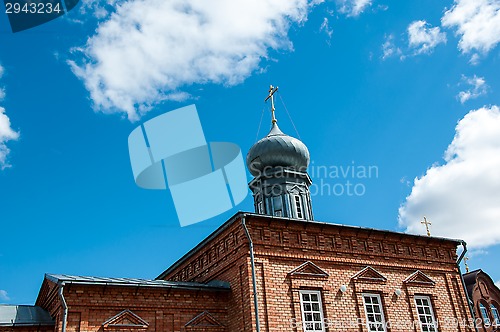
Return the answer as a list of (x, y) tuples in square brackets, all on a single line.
[(273, 270)]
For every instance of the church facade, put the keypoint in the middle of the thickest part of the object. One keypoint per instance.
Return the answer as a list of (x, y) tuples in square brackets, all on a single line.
[(485, 299), (273, 270)]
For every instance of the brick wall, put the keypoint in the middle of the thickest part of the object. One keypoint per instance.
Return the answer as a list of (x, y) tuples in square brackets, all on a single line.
[(282, 245), (226, 257), (290, 256), (164, 309)]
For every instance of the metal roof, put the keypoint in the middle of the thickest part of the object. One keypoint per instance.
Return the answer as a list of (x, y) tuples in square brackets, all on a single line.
[(277, 150), (68, 279), (27, 315)]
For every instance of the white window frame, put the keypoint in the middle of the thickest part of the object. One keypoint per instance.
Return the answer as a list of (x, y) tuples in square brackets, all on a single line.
[(484, 314), (382, 323), (299, 207), (260, 207), (495, 314), (427, 326), (302, 309)]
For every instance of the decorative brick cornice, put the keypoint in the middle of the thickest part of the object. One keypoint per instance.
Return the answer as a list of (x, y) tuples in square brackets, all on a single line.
[(289, 237), (335, 240)]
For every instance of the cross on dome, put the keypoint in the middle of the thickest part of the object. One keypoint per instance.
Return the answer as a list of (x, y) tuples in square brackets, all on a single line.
[(272, 91)]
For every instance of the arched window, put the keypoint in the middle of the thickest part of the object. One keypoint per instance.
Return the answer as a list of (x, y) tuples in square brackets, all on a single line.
[(484, 314), (496, 316)]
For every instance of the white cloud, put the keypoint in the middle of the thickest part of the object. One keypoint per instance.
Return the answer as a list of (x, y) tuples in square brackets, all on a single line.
[(497, 283), (325, 27), (4, 296), (150, 50), (477, 23), (461, 197), (6, 132), (389, 49), (478, 88), (475, 252), (99, 8), (2, 90), (354, 7), (474, 59), (423, 38)]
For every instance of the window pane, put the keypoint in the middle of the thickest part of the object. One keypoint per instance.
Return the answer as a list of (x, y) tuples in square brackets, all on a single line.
[(374, 313), (496, 316), (484, 313), (425, 314), (312, 314)]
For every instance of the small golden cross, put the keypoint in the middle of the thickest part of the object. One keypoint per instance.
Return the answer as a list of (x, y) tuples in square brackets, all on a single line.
[(466, 265), (426, 223), (272, 90)]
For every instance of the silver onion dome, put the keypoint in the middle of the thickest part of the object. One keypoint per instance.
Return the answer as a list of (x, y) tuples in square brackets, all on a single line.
[(277, 150)]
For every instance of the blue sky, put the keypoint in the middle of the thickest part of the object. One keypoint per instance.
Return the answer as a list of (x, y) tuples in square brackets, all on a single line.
[(409, 88)]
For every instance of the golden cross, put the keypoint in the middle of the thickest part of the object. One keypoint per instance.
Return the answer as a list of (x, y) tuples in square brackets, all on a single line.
[(466, 265), (426, 223), (272, 90)]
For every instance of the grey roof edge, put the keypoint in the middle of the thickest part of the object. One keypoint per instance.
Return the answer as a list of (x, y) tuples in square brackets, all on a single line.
[(133, 282), (240, 214), (26, 324), (24, 315)]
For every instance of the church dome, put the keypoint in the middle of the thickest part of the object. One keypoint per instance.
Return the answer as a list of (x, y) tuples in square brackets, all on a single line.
[(277, 150)]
